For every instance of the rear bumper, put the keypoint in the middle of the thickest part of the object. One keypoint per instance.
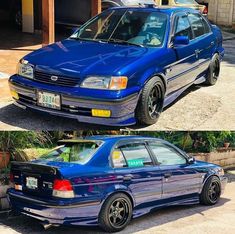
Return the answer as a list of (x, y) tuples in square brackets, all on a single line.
[(83, 213), (74, 106)]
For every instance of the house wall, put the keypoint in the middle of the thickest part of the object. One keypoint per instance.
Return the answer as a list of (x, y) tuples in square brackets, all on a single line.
[(222, 12)]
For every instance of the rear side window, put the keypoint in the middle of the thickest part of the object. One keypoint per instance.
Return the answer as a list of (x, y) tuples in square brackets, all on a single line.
[(131, 155), (167, 155), (198, 25)]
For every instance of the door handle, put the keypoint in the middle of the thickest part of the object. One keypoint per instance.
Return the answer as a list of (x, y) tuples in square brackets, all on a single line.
[(128, 177), (167, 175), (212, 43)]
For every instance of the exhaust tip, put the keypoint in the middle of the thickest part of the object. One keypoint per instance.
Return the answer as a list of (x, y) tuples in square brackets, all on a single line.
[(46, 226)]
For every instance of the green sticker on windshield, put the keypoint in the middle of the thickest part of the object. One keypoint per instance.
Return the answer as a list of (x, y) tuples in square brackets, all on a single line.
[(135, 163)]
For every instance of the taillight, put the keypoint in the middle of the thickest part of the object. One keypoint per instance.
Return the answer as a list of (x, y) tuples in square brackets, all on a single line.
[(205, 11), (63, 189)]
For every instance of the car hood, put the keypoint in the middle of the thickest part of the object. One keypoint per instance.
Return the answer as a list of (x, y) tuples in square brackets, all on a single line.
[(73, 57)]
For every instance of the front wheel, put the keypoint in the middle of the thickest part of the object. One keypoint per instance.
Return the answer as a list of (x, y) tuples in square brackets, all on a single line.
[(213, 71), (211, 191), (151, 101), (115, 213)]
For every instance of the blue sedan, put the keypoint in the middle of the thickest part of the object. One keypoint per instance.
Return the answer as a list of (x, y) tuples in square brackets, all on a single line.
[(108, 180), (121, 67)]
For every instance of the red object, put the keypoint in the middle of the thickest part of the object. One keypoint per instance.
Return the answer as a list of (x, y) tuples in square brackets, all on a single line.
[(62, 185), (11, 177), (205, 12)]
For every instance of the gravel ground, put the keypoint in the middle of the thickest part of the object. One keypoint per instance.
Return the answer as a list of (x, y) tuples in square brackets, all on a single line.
[(183, 220), (199, 108)]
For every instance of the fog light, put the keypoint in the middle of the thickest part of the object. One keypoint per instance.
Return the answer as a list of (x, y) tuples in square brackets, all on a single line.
[(14, 94), (101, 113)]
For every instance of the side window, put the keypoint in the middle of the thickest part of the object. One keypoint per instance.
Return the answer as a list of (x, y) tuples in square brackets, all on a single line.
[(182, 27), (167, 155), (131, 155), (197, 25), (206, 26)]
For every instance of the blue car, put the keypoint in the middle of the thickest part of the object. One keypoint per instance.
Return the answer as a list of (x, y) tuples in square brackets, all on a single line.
[(108, 180), (122, 66)]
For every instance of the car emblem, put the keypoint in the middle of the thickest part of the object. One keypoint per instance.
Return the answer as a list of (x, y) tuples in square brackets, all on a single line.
[(54, 78)]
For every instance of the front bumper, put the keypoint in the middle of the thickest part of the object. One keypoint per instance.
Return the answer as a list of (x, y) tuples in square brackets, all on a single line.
[(74, 106), (84, 213)]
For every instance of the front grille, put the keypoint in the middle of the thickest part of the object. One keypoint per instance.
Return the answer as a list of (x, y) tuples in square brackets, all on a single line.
[(61, 81)]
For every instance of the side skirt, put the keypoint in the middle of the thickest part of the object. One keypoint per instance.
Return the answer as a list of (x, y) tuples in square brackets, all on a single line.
[(173, 96)]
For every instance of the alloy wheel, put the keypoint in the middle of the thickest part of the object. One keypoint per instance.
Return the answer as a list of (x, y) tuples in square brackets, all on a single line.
[(119, 213)]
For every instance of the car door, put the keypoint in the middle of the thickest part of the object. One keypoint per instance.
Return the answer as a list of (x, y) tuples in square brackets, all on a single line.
[(180, 178), (204, 41), (184, 70), (135, 167)]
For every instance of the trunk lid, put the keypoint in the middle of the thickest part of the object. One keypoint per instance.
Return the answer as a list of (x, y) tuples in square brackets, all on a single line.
[(35, 178)]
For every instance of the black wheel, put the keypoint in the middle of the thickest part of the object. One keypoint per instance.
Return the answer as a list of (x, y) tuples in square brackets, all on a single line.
[(213, 71), (151, 101), (211, 191), (115, 213)]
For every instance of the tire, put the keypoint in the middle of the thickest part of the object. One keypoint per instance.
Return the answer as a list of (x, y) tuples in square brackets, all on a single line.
[(145, 112), (206, 196), (213, 71), (109, 215)]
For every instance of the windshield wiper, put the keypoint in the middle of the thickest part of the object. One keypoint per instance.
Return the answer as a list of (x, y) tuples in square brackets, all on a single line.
[(119, 41)]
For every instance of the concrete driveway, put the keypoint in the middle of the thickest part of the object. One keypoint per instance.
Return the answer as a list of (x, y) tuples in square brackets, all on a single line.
[(199, 108), (182, 220)]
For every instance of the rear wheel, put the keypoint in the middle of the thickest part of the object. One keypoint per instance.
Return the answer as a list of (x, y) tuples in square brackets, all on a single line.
[(211, 191), (151, 101), (115, 213), (213, 71)]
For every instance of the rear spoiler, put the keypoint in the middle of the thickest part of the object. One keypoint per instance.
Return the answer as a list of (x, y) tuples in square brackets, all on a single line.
[(33, 167)]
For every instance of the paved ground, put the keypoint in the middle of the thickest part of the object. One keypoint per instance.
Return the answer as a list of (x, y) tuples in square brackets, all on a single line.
[(182, 220), (199, 108)]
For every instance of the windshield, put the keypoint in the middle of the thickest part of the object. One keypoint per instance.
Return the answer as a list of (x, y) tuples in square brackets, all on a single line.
[(79, 153), (141, 28)]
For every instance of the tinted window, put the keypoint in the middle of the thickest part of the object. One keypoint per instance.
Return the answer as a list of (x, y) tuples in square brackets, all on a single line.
[(206, 26), (131, 155), (197, 24), (166, 155), (182, 27), (80, 152)]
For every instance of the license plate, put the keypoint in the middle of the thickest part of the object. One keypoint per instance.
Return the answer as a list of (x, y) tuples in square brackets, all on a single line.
[(49, 100), (31, 182)]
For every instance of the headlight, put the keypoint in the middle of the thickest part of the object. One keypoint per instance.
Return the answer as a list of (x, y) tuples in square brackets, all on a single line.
[(111, 83), (25, 69)]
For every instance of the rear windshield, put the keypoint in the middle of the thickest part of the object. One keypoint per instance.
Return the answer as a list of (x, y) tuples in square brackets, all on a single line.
[(79, 153)]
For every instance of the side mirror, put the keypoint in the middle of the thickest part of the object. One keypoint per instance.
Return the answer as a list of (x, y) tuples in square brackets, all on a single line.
[(180, 40), (191, 160)]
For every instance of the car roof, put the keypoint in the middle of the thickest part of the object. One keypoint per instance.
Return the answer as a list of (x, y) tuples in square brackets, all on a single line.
[(109, 138), (164, 9)]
